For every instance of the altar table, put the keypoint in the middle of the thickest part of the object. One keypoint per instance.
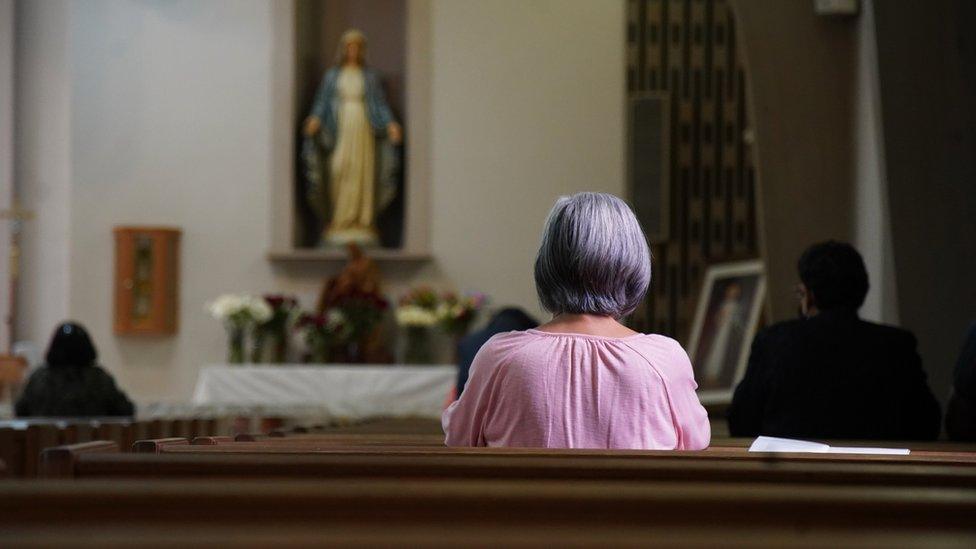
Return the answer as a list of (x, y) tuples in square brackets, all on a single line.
[(327, 392)]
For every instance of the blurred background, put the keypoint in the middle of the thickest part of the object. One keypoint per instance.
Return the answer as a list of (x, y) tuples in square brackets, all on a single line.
[(151, 161)]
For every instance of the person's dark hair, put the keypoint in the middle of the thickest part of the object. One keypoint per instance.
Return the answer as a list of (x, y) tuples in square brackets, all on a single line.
[(835, 273), (71, 346)]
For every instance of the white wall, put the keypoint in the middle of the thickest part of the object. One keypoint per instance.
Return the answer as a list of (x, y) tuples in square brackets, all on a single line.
[(527, 104), (6, 156), (172, 121), (171, 109), (872, 225), (42, 170)]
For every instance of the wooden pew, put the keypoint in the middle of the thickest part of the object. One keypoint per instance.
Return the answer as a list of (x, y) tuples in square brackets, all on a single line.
[(261, 534), (59, 461), (66, 461), (799, 511), (155, 446), (211, 440), (699, 498), (21, 441), (919, 448), (342, 445)]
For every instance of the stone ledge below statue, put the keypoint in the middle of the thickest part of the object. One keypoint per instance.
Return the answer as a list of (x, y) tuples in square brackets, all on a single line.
[(367, 238)]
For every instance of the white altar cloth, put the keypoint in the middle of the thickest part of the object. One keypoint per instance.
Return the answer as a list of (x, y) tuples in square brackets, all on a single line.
[(325, 392)]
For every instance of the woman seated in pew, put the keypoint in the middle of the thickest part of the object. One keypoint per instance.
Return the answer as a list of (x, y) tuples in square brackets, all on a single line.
[(70, 383), (583, 380)]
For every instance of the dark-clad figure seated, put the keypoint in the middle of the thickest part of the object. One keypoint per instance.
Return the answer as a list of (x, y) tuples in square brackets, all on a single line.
[(831, 375), (961, 411), (71, 384), (509, 319)]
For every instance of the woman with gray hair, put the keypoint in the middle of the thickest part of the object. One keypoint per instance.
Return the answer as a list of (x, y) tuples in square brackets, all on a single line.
[(583, 380)]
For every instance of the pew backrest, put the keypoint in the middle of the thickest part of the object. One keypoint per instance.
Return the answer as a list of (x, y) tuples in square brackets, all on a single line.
[(59, 461), (392, 446), (156, 445), (431, 503), (656, 467)]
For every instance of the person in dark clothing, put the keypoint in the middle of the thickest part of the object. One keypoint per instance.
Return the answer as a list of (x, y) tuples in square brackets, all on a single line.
[(961, 412), (71, 384), (831, 375), (506, 320)]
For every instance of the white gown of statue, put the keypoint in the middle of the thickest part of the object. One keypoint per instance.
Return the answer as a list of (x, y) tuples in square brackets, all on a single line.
[(352, 181), (727, 321)]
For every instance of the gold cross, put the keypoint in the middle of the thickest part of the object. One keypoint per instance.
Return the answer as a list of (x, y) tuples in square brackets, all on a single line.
[(16, 215)]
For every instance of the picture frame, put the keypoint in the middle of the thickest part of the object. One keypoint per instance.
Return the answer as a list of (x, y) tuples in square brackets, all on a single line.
[(725, 322)]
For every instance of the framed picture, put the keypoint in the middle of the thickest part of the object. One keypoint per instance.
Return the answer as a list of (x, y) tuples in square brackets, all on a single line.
[(648, 162), (724, 325)]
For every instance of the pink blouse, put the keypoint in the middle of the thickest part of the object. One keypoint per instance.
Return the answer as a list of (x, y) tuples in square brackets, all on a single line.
[(545, 390)]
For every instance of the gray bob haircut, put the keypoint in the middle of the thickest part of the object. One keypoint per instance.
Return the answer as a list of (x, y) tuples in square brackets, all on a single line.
[(593, 258)]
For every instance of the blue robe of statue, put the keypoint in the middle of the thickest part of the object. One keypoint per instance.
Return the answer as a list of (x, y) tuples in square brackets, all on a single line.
[(317, 149)]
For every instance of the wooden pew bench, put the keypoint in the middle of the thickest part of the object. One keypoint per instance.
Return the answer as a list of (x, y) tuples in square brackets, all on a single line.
[(797, 511), (344, 446), (921, 451), (94, 461), (21, 441)]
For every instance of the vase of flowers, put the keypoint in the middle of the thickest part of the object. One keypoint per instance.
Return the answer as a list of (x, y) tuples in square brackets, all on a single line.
[(456, 314), (240, 314), (324, 333), (416, 315), (363, 312), (284, 310)]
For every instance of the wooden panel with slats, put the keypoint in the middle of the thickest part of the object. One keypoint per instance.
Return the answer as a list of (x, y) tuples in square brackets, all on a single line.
[(687, 49)]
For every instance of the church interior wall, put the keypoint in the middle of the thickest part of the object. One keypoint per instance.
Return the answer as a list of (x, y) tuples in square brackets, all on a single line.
[(172, 113), (806, 179), (927, 71), (170, 118)]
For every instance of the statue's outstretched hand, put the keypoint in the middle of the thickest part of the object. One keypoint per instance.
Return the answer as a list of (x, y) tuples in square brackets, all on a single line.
[(312, 125), (394, 132)]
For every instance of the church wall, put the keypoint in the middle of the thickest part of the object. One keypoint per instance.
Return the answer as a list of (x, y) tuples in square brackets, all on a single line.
[(42, 168), (872, 222), (527, 103), (172, 116), (927, 66), (802, 94), (171, 125), (6, 154)]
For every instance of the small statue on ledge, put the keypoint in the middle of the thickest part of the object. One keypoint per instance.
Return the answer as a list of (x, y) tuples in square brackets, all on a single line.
[(360, 276), (356, 292)]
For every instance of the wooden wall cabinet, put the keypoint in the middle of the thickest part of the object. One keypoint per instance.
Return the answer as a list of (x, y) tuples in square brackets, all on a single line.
[(146, 280)]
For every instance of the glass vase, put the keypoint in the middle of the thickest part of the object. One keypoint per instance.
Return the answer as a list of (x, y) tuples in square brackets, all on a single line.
[(235, 345), (279, 347), (321, 351), (258, 341), (416, 349)]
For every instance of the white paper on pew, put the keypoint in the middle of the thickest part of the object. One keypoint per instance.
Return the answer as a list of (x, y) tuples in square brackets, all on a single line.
[(774, 444), (875, 451)]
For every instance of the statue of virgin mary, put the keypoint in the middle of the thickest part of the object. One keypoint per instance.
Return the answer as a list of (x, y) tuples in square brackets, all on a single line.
[(350, 148)]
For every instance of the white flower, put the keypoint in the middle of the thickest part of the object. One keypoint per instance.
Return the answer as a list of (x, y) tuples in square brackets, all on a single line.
[(334, 319), (414, 316), (447, 312), (225, 306), (258, 308), (240, 308)]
